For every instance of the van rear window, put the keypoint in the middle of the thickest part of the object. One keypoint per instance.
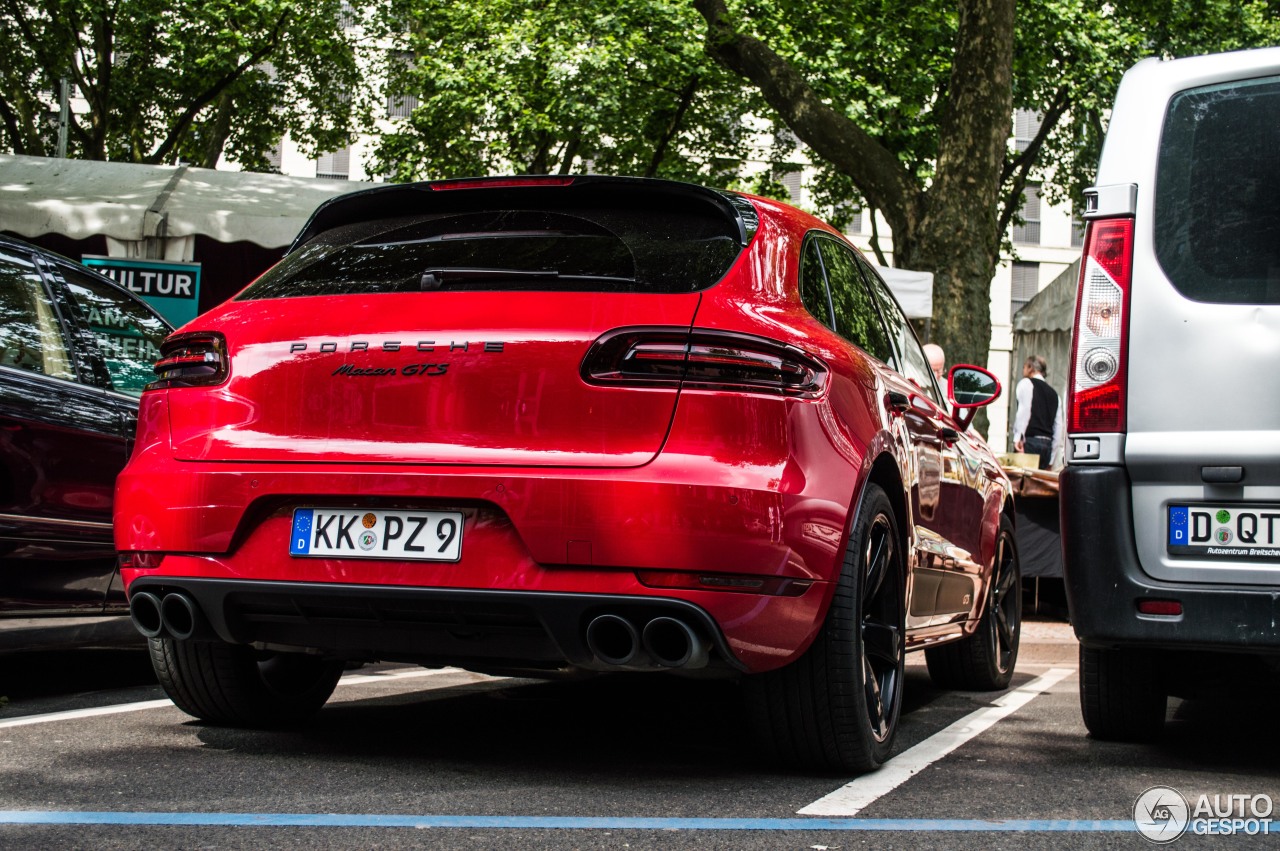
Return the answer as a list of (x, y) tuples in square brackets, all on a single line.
[(1217, 201), (583, 248)]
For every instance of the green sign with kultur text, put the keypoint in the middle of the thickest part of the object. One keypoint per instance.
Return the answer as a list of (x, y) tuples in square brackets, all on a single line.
[(173, 289)]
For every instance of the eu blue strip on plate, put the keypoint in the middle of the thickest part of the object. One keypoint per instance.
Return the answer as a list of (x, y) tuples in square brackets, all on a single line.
[(300, 540)]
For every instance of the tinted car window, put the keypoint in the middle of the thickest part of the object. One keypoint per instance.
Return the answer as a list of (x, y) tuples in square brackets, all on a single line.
[(128, 335), (1217, 228), (813, 284), (856, 317), (31, 333), (912, 361), (597, 249)]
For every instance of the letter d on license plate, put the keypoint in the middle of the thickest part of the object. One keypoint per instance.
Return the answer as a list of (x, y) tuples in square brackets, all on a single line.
[(396, 534)]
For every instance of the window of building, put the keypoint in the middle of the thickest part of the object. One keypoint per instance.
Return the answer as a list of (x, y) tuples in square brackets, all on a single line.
[(1026, 283), (347, 18), (1026, 124), (1077, 231), (401, 104), (335, 165), (1028, 233), (792, 180)]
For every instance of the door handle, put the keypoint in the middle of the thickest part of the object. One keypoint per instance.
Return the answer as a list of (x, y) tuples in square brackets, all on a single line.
[(949, 434)]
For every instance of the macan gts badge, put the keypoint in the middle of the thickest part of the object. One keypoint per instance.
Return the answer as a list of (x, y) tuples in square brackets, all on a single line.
[(569, 424), (424, 346)]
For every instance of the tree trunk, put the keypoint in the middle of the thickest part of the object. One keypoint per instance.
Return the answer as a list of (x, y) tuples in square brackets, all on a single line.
[(949, 227), (219, 131)]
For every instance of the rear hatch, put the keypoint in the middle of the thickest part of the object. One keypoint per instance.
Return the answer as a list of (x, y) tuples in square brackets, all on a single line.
[(1202, 446), (447, 324)]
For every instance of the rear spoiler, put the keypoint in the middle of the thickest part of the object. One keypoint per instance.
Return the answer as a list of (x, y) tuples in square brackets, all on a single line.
[(487, 193)]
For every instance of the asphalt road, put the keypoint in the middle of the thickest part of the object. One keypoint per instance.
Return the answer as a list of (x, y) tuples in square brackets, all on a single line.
[(91, 756)]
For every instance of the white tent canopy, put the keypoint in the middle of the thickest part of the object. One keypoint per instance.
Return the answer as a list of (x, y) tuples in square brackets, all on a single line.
[(914, 290), (128, 202)]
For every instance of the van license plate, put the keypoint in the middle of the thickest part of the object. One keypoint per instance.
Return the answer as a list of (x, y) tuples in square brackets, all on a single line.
[(357, 533), (1225, 531)]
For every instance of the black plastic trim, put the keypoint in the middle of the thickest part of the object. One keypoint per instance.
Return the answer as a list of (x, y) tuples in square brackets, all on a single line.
[(428, 625), (1104, 580)]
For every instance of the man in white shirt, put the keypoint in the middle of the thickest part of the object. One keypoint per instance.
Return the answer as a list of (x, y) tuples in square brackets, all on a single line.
[(1037, 429)]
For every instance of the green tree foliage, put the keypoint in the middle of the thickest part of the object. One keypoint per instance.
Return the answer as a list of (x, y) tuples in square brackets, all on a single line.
[(541, 87), (170, 80), (900, 102), (904, 105)]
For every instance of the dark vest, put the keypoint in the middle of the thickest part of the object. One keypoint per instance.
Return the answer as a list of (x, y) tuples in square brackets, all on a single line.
[(1044, 409)]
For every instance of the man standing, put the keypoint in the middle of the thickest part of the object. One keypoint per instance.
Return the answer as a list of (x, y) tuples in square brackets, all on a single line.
[(1037, 429)]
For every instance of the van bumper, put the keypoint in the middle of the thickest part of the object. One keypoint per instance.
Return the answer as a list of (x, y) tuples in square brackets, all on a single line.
[(1105, 581)]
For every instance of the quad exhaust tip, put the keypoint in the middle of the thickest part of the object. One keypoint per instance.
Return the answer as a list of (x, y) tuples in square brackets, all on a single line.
[(673, 643), (613, 640), (174, 615), (144, 609), (665, 642)]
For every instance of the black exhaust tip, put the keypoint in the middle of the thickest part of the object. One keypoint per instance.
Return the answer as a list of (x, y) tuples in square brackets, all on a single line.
[(674, 644), (144, 610), (180, 616), (613, 640)]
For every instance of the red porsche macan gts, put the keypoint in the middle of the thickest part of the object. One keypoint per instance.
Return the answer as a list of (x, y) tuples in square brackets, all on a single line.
[(537, 424)]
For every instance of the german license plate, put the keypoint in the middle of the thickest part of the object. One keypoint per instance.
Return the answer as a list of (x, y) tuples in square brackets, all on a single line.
[(1225, 531), (361, 533)]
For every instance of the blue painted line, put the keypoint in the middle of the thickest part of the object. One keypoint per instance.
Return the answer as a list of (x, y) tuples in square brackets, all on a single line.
[(562, 822)]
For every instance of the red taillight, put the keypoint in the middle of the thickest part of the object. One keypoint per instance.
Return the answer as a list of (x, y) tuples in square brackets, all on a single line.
[(706, 360), (500, 182), (1097, 392), (191, 360)]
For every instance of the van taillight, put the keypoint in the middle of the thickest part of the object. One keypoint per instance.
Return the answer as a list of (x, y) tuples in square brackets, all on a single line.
[(1096, 401), (704, 360), (191, 360)]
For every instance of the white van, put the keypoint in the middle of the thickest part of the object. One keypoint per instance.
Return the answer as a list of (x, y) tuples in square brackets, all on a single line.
[(1171, 498)]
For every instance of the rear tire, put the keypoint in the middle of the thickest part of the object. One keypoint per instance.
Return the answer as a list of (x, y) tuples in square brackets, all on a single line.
[(1122, 697), (985, 660), (237, 686), (836, 707)]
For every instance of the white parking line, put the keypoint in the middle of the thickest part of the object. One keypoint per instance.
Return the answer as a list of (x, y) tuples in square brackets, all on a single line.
[(853, 797), (119, 708), (405, 674), (85, 713)]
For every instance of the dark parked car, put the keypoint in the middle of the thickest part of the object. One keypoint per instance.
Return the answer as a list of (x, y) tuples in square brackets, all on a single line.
[(602, 424), (75, 352)]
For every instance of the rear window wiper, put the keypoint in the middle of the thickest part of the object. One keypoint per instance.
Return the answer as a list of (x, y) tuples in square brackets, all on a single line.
[(434, 279)]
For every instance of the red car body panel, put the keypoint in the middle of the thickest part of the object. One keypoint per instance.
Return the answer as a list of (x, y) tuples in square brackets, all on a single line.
[(566, 487)]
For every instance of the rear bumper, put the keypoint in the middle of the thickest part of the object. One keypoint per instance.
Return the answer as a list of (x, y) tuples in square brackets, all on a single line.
[(441, 626), (1105, 581), (537, 537)]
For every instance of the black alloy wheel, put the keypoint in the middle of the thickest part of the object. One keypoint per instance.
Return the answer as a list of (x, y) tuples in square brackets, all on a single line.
[(836, 708), (984, 661), (881, 644), (1006, 605)]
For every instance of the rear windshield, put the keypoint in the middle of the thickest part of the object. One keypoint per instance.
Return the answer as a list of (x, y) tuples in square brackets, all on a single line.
[(1218, 193), (593, 249)]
